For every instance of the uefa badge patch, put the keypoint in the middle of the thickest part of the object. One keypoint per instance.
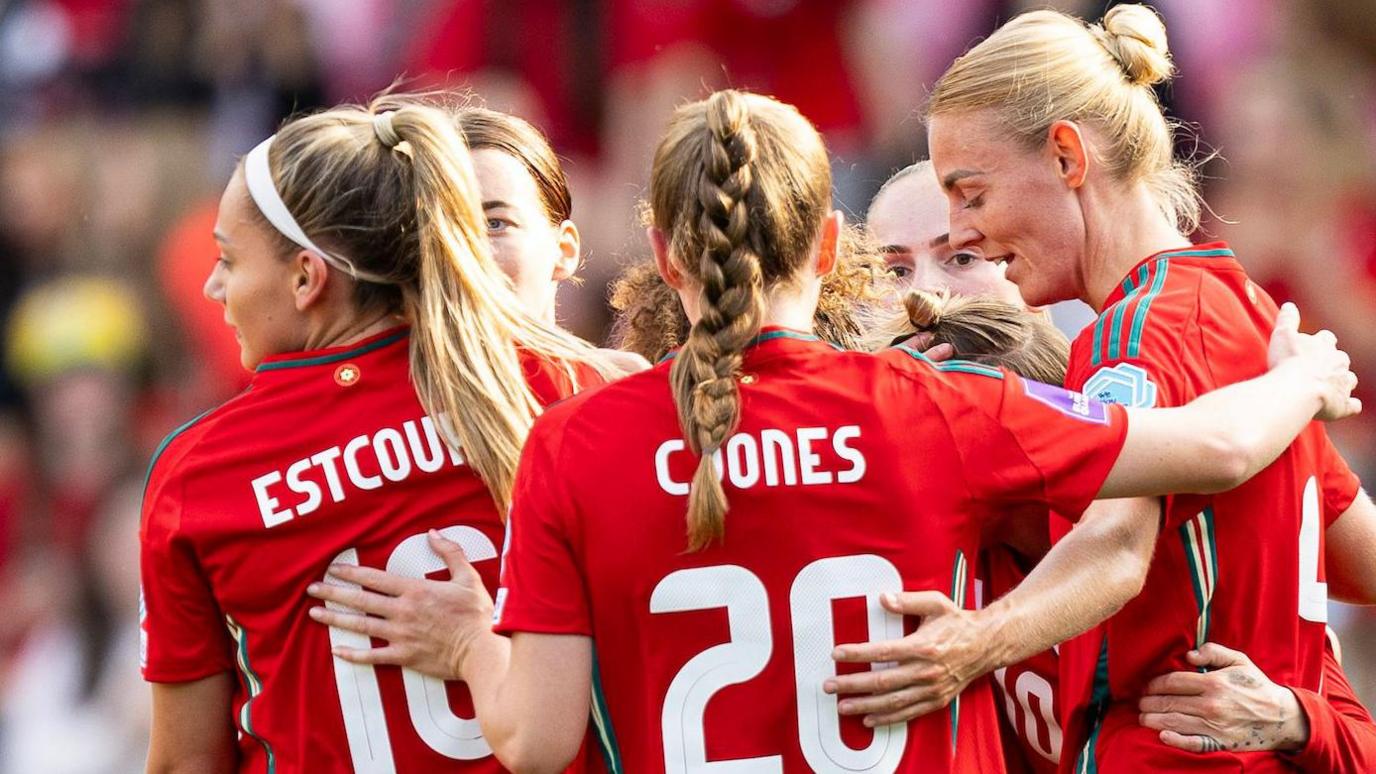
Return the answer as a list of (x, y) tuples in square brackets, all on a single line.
[(1073, 404), (1124, 384), (347, 375)]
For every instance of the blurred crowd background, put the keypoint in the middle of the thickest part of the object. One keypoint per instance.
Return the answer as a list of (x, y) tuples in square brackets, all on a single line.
[(121, 120)]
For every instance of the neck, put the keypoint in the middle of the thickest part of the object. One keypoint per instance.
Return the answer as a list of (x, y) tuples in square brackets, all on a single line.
[(1125, 232), (787, 308), (343, 332)]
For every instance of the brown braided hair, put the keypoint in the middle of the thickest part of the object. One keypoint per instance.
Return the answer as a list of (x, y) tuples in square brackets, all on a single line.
[(741, 185)]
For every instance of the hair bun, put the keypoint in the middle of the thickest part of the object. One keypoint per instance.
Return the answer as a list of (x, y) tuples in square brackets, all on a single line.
[(924, 309), (1136, 37)]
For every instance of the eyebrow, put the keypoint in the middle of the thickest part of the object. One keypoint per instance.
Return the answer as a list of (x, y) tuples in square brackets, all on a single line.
[(495, 204), (219, 236), (890, 249), (956, 176), (940, 241)]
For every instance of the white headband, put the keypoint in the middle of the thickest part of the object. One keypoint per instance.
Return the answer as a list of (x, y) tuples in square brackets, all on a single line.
[(258, 177)]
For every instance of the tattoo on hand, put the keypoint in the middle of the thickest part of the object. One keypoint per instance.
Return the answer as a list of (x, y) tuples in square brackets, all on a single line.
[(1210, 744), (1243, 679)]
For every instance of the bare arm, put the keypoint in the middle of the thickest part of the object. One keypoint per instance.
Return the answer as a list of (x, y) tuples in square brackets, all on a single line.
[(1086, 577), (531, 693), (1350, 551), (1221, 439), (192, 728)]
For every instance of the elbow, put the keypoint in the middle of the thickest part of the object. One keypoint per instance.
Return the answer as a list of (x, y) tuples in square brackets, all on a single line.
[(531, 753), (1229, 461)]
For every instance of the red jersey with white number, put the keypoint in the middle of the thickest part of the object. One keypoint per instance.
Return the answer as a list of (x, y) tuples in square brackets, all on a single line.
[(1026, 690), (1243, 568), (327, 457), (850, 475)]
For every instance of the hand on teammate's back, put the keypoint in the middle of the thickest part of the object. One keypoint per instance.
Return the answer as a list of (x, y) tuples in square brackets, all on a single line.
[(930, 667), (426, 623), (1319, 356), (1235, 706)]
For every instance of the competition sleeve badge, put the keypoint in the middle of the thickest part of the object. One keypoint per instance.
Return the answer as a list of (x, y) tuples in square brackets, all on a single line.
[(347, 375), (1072, 404), (1124, 384)]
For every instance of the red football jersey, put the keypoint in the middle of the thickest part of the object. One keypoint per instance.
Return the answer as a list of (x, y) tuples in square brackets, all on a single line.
[(850, 475), (1342, 736), (1031, 723), (327, 457), (1243, 568)]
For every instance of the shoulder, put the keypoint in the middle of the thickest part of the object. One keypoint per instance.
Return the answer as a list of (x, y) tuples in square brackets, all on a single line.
[(172, 456)]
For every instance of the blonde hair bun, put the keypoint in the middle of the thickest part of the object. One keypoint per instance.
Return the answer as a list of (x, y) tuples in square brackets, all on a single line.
[(1136, 37), (925, 308)]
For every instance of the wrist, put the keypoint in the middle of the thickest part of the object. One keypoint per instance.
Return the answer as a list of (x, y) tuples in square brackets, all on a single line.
[(994, 627), (1298, 372), (1294, 729)]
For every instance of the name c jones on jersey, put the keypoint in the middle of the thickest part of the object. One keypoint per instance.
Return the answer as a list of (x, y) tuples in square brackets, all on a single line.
[(775, 456), (393, 453)]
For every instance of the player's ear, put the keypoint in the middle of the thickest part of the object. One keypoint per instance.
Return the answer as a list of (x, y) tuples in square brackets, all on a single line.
[(570, 251), (309, 276), (1066, 144), (829, 245), (659, 245)]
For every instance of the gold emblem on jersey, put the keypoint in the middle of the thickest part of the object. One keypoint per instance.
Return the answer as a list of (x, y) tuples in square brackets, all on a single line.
[(347, 375), (749, 378)]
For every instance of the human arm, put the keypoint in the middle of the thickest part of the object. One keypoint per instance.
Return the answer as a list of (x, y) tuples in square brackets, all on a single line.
[(1350, 553), (1086, 577), (1235, 706), (530, 693), (192, 730), (1222, 438)]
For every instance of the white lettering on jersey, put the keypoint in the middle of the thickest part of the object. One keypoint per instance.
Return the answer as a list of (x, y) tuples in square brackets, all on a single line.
[(395, 453), (785, 459)]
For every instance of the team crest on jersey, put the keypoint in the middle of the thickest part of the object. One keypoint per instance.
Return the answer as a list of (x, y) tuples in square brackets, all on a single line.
[(1072, 404), (1124, 384), (347, 375)]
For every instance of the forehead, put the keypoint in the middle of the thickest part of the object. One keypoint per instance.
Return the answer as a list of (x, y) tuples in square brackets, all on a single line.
[(236, 208), (911, 211), (967, 141), (502, 177)]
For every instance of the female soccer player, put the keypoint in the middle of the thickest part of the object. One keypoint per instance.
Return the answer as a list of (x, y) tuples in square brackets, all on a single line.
[(1058, 163), (605, 595), (396, 376)]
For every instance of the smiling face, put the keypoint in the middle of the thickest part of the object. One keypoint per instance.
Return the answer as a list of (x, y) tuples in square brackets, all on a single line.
[(535, 253), (1010, 204), (253, 281), (909, 218)]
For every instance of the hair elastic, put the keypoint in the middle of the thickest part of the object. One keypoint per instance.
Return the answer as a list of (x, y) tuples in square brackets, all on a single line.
[(258, 178), (386, 133)]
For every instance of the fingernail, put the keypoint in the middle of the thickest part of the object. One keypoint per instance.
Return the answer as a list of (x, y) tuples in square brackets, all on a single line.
[(869, 722), (890, 598), (837, 654), (829, 686), (843, 707), (314, 613), (313, 588)]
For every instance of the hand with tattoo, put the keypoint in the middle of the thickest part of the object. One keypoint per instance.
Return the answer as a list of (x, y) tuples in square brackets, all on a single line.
[(1233, 706)]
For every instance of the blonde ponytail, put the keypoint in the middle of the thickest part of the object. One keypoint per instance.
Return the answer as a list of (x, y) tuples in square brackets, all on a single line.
[(397, 195)]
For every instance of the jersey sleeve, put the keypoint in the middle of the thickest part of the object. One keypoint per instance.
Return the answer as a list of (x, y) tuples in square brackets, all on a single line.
[(1024, 443), (1340, 485), (182, 632), (1342, 736), (542, 589)]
